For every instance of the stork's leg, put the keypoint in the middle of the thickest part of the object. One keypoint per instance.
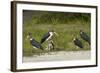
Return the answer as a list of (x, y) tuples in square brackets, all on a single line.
[(53, 46), (89, 46), (49, 45)]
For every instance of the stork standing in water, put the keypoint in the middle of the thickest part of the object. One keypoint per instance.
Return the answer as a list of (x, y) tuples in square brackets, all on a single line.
[(34, 43), (78, 43), (48, 37), (85, 37)]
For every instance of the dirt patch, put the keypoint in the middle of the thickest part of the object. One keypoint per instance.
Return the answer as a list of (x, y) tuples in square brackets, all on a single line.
[(59, 56)]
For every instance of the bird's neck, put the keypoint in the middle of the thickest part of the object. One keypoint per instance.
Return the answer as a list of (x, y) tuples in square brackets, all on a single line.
[(31, 39), (81, 32), (51, 33)]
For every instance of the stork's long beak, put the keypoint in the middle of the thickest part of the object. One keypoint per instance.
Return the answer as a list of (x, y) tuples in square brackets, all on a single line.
[(56, 33)]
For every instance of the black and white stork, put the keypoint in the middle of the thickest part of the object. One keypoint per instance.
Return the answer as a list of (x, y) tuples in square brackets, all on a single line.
[(34, 43), (78, 43), (48, 37), (85, 37)]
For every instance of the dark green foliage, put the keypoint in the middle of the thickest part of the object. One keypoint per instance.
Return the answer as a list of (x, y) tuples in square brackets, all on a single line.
[(46, 17)]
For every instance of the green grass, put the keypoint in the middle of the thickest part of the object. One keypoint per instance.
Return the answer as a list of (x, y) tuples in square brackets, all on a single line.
[(66, 30)]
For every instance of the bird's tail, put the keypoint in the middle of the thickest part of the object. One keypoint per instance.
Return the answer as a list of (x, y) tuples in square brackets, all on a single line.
[(41, 42)]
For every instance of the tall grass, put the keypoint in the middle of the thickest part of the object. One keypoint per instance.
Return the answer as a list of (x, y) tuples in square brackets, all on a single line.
[(67, 25)]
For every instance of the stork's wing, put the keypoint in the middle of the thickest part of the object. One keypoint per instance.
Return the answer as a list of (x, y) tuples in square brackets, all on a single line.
[(85, 37), (36, 44), (45, 37), (78, 43)]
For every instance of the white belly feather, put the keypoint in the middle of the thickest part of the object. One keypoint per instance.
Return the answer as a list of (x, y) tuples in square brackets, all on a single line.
[(51, 34)]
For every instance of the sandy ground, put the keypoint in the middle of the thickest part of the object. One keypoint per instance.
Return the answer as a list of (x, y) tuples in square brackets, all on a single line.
[(59, 56)]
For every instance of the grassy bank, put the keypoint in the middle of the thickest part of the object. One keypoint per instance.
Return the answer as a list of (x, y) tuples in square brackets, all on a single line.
[(67, 25)]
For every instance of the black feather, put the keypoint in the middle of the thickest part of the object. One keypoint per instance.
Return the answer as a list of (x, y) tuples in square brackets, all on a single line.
[(36, 44), (85, 37), (78, 43), (45, 37)]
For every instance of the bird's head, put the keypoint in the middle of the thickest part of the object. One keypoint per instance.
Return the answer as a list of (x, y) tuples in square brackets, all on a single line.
[(74, 39), (29, 35), (81, 31), (53, 32)]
